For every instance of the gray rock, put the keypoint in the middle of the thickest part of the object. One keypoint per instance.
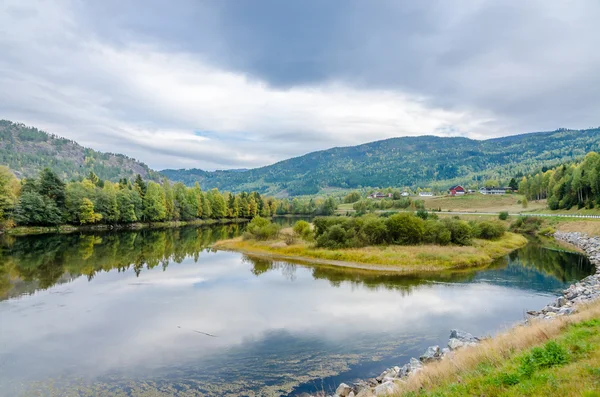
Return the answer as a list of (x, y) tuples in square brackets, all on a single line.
[(414, 363), (385, 388), (343, 390), (454, 344), (565, 311), (561, 301), (431, 354), (463, 336)]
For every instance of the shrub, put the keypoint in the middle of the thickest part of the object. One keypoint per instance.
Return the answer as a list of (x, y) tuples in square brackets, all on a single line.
[(334, 237), (547, 231), (490, 230), (423, 214), (302, 229), (503, 216), (460, 231), (436, 233), (261, 229), (373, 231), (405, 229), (526, 225)]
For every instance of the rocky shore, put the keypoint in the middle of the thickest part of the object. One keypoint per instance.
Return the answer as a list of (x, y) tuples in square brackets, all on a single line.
[(583, 291)]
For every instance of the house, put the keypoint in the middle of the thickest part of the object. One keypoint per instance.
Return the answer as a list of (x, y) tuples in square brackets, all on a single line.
[(405, 194), (495, 190), (425, 194), (379, 195), (457, 190)]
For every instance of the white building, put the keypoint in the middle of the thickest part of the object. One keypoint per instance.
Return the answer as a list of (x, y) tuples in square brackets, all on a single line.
[(425, 194), (495, 190)]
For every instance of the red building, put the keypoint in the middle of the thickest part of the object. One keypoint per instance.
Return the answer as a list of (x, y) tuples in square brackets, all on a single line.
[(457, 190)]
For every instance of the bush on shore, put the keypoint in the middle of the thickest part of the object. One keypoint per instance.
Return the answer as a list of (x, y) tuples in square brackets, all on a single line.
[(261, 229), (303, 230), (400, 229), (526, 225)]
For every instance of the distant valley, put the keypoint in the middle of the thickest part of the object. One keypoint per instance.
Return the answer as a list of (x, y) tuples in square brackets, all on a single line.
[(423, 161)]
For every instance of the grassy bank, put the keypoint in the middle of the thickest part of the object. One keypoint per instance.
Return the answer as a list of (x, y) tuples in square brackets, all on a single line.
[(28, 230), (388, 258), (547, 358)]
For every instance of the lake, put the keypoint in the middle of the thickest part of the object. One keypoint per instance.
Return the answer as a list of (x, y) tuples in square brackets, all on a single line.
[(157, 313)]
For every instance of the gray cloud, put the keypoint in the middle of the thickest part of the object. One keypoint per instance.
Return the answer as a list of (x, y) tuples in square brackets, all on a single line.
[(266, 80)]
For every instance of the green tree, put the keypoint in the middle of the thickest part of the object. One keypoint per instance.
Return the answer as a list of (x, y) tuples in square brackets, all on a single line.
[(9, 190), (491, 183), (52, 187), (154, 203), (35, 209), (218, 204), (169, 200), (87, 214), (125, 201), (352, 197), (140, 185)]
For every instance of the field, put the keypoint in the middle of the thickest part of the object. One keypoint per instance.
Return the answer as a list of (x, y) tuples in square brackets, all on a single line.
[(474, 203), (548, 358), (392, 258), (482, 203)]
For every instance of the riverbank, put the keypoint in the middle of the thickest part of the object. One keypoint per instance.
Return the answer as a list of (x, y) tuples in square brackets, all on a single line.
[(556, 351), (62, 229), (392, 258)]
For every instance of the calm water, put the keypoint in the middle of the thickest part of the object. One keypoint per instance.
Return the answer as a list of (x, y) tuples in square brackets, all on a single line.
[(157, 313)]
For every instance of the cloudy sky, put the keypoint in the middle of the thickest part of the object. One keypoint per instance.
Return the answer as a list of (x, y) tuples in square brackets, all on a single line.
[(234, 84)]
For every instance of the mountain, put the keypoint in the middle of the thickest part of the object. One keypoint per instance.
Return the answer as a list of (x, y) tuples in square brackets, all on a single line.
[(27, 150), (409, 161)]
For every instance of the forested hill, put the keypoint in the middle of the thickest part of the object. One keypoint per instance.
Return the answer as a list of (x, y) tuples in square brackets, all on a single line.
[(27, 150), (408, 161)]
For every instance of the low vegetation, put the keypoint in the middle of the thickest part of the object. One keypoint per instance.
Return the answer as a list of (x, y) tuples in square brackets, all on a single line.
[(401, 242), (526, 225), (548, 358), (401, 229)]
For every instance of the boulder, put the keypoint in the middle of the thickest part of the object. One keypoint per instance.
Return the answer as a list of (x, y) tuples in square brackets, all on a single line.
[(463, 336), (454, 344), (343, 390), (431, 354), (385, 388)]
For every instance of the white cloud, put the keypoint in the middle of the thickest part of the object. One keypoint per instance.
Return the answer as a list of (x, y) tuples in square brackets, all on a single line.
[(153, 104)]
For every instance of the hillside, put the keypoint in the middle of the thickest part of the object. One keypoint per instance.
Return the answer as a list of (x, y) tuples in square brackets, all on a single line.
[(408, 161), (27, 150)]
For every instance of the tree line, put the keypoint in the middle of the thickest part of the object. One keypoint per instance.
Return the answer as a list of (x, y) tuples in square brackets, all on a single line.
[(48, 201), (566, 186)]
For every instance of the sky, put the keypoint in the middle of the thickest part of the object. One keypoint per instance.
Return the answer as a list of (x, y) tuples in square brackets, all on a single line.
[(241, 84)]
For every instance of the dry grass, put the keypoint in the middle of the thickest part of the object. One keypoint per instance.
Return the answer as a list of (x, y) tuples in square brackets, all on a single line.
[(495, 351), (591, 227), (389, 258)]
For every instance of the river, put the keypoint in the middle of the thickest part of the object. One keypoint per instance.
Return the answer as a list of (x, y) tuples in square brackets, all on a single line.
[(158, 313)]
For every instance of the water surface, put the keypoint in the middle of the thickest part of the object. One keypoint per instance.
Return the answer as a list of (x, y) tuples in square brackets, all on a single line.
[(156, 312)]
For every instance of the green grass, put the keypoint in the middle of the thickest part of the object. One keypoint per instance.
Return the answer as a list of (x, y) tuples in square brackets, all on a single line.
[(567, 365)]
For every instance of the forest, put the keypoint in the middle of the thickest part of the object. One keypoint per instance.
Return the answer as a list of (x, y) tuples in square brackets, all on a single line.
[(48, 201), (27, 150), (566, 186)]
